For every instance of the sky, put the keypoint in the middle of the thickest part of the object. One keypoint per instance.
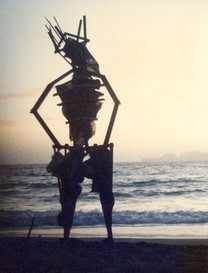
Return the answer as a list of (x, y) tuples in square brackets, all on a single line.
[(153, 53)]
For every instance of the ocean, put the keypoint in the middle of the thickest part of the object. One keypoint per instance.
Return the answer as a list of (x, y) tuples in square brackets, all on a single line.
[(146, 195)]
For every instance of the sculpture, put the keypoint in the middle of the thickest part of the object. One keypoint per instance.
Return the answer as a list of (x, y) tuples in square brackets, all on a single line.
[(80, 101)]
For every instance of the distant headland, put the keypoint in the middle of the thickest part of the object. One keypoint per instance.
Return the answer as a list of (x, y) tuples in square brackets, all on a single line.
[(169, 157)]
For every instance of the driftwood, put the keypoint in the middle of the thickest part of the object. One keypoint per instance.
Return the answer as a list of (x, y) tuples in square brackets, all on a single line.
[(31, 227)]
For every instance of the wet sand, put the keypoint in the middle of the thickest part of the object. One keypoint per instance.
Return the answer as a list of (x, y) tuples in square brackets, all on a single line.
[(47, 254)]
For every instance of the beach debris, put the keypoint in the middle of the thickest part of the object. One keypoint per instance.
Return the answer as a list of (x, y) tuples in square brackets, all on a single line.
[(31, 227), (81, 100)]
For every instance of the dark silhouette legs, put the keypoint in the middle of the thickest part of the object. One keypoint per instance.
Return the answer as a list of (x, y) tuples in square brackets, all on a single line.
[(107, 202)]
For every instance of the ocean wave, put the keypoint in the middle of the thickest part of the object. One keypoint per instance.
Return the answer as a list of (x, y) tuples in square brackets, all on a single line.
[(40, 185), (17, 219), (123, 194)]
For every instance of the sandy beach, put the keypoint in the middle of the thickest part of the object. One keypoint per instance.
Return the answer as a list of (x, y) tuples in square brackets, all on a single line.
[(47, 254)]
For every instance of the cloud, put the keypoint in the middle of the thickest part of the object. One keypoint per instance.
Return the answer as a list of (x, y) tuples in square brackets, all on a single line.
[(7, 124), (12, 96)]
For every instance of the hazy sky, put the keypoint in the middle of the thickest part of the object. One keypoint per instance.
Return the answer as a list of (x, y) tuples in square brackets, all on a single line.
[(154, 54)]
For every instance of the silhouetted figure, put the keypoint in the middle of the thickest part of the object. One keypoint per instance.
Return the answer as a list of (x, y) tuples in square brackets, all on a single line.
[(80, 102)]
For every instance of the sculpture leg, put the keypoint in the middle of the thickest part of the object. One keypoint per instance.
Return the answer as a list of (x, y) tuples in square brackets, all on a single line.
[(107, 202), (68, 210)]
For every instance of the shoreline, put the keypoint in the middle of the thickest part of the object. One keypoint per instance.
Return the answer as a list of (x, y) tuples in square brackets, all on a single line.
[(137, 232), (136, 249), (158, 241)]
